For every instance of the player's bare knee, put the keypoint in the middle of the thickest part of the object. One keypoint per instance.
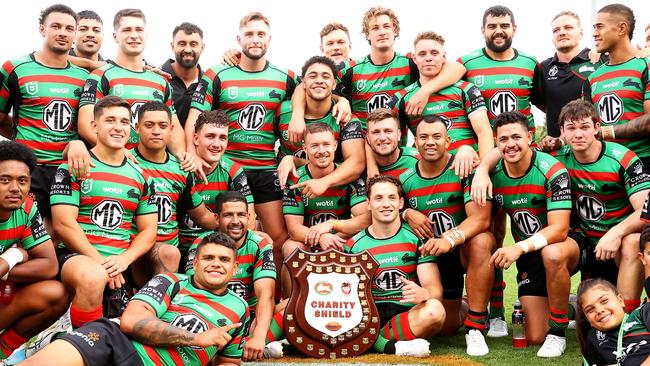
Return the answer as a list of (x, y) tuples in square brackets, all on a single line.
[(554, 259), (169, 256), (91, 280), (433, 313), (482, 246), (290, 245), (630, 248)]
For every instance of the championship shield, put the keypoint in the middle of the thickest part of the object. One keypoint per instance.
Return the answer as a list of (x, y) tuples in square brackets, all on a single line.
[(331, 312)]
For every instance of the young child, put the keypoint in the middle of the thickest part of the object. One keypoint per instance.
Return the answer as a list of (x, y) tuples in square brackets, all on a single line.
[(599, 318)]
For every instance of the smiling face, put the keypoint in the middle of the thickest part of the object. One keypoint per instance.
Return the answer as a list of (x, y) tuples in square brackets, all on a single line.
[(211, 142), (383, 136), (90, 34), (320, 148), (233, 220), (429, 57), (432, 141), (498, 33), (608, 30), (14, 184), (336, 45), (187, 48), (214, 265), (319, 82), (567, 33), (58, 32), (113, 127), (513, 140), (254, 39), (603, 309), (131, 36), (384, 203)]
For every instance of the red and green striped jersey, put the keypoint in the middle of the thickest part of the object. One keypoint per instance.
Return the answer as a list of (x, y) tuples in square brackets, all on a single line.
[(350, 131), (24, 227), (44, 102), (618, 92), (226, 176), (136, 87), (442, 199), (398, 256), (255, 258), (408, 156), (601, 189), (252, 100), (546, 186), (454, 103), (368, 86), (172, 185), (178, 302), (108, 202), (335, 204), (507, 86)]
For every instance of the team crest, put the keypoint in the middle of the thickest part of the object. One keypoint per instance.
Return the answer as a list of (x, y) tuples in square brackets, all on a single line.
[(499, 199), (553, 71), (361, 84), (86, 186), (233, 92), (413, 202), (118, 90), (31, 88), (479, 81)]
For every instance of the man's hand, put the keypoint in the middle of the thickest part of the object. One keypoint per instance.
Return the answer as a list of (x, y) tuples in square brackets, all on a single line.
[(481, 187), (79, 162), (465, 161), (594, 56), (157, 70), (186, 161), (437, 246), (218, 337), (550, 143), (416, 104), (504, 257), (315, 232), (643, 53), (296, 130), (412, 293), (116, 282), (342, 111), (608, 245), (311, 188), (254, 349), (116, 264), (422, 226), (286, 168), (231, 57), (264, 235), (129, 155), (329, 241)]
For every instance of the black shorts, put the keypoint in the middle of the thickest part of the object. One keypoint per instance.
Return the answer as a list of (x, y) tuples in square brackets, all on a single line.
[(62, 255), (451, 274), (593, 268), (101, 342), (387, 310), (183, 265), (265, 185), (531, 275), (42, 178)]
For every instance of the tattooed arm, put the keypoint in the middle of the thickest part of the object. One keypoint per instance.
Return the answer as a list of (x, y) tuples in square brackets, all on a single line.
[(141, 323), (636, 128)]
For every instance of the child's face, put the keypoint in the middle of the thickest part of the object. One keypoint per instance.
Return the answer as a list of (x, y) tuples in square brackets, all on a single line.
[(603, 309)]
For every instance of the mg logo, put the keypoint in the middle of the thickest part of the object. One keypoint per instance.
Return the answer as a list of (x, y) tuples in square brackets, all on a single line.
[(190, 323), (321, 217), (108, 214), (164, 205), (252, 117), (610, 108), (378, 101), (442, 222), (527, 222), (237, 287), (57, 115), (503, 101), (389, 279), (590, 208), (135, 108)]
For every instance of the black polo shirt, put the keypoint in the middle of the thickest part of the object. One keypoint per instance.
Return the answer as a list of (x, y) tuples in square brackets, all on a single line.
[(181, 95), (563, 82)]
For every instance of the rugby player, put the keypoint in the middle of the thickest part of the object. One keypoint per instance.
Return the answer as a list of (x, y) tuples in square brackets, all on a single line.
[(94, 216), (43, 90), (534, 189), (27, 259), (609, 187), (187, 45), (174, 319), (406, 288), (171, 185), (254, 279), (251, 94), (440, 209), (335, 42), (620, 89), (90, 35)]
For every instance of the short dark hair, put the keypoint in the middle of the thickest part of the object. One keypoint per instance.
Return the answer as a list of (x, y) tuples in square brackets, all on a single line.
[(319, 60), (433, 118), (11, 150), (153, 106), (623, 11), (217, 238), (136, 13), (109, 102), (507, 118), (576, 110), (229, 196), (57, 8), (380, 114), (188, 28), (89, 14), (644, 240), (384, 179), (331, 27), (216, 117), (498, 11)]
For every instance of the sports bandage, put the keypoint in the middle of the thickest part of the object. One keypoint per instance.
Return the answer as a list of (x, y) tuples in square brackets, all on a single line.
[(535, 242), (12, 256)]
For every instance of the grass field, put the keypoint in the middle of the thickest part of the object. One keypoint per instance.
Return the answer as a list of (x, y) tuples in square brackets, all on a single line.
[(451, 350)]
